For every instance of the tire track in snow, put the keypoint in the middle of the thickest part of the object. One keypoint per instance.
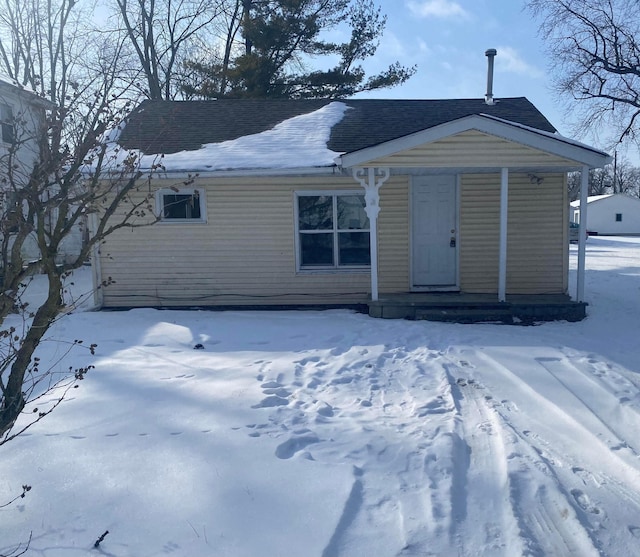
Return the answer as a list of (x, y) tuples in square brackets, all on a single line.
[(480, 477), (595, 396), (570, 485), (512, 485), (562, 420)]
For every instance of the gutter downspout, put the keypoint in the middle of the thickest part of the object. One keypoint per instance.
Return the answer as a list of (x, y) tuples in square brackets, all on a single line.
[(582, 231), (367, 178)]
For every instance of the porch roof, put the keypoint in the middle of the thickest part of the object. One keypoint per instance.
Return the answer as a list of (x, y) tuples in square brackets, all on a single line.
[(567, 154)]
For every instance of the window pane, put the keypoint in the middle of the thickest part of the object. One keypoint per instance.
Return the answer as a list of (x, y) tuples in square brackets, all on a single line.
[(7, 133), (316, 250), (354, 248), (315, 212), (181, 206), (6, 123), (351, 213)]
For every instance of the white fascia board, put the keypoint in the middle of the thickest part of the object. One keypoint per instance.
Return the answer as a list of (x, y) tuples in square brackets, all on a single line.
[(517, 133)]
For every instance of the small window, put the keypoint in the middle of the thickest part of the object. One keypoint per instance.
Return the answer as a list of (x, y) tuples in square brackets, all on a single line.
[(333, 231), (618, 217), (181, 205), (7, 126)]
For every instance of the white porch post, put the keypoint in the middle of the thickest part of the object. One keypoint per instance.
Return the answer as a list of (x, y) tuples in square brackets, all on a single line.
[(582, 240), (371, 179), (504, 213)]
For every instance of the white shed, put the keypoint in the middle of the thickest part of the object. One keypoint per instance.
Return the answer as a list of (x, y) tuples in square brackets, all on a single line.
[(611, 214)]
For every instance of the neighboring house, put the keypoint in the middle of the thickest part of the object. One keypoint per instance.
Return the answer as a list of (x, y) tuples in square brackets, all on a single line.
[(392, 203), (611, 214), (22, 116)]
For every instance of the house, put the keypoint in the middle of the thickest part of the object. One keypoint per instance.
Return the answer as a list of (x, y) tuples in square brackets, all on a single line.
[(611, 214), (22, 120), (417, 208)]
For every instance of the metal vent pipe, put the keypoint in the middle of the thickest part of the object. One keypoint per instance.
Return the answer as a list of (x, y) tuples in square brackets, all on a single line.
[(490, 54)]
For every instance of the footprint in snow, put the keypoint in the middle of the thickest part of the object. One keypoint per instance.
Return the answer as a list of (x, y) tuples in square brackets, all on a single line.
[(438, 405), (170, 547), (309, 360), (271, 401), (338, 351), (278, 391), (294, 445), (324, 409), (584, 502)]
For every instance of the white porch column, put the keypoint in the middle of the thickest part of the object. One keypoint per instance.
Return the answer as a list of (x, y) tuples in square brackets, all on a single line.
[(582, 240), (371, 179), (504, 213)]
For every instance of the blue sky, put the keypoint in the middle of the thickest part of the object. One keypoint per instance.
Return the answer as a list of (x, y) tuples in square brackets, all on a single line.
[(447, 40)]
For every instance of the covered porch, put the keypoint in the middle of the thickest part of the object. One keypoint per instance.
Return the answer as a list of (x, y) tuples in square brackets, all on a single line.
[(493, 177)]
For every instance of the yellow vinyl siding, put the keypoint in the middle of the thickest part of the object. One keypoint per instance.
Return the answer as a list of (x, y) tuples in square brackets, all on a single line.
[(536, 246), (479, 232), (243, 255), (393, 236), (471, 149)]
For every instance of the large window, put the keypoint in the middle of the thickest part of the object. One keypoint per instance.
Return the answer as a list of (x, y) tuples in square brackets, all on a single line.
[(333, 231), (7, 128), (181, 205)]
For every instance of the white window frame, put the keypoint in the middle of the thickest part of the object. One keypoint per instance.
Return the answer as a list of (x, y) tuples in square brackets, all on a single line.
[(336, 267), (181, 191)]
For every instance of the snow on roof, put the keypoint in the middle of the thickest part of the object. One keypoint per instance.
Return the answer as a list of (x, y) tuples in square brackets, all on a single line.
[(6, 80), (591, 199), (9, 81), (299, 142)]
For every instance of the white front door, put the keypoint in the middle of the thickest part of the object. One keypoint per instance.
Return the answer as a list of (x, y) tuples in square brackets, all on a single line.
[(434, 236)]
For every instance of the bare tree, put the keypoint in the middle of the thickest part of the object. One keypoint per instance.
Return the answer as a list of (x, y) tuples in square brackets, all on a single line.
[(620, 177), (162, 33), (600, 182), (595, 56), (626, 178), (59, 169)]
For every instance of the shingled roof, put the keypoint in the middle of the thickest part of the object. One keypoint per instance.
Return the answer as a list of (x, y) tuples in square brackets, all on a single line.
[(156, 127)]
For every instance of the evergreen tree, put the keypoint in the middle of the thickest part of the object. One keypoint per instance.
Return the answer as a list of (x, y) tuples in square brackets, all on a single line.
[(272, 43)]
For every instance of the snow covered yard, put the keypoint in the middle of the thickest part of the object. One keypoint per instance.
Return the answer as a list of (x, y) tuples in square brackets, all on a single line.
[(333, 434)]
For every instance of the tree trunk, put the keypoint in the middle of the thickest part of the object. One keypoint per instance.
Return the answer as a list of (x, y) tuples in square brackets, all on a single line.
[(13, 399)]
